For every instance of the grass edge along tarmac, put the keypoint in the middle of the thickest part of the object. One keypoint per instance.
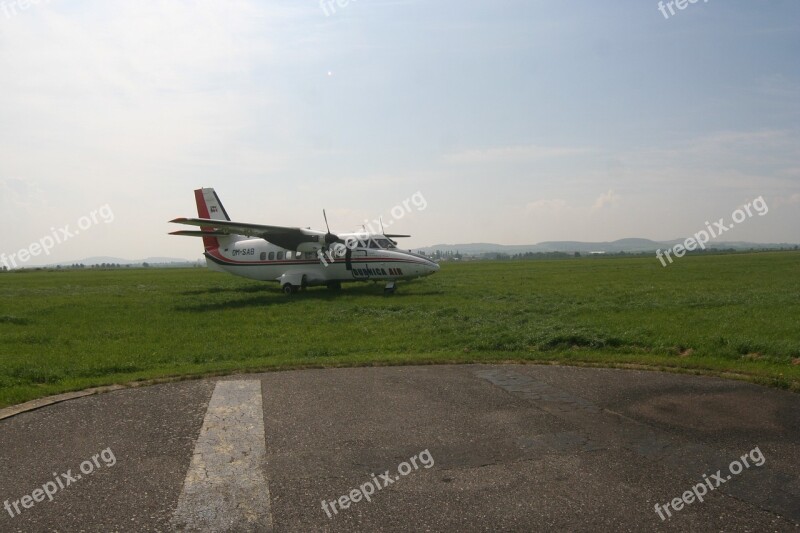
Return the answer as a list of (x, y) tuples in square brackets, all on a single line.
[(68, 331), (11, 397)]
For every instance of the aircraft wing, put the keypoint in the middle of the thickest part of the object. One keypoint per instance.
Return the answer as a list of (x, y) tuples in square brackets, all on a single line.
[(285, 237)]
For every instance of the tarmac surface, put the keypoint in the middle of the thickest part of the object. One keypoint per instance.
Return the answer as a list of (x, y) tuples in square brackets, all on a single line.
[(442, 448)]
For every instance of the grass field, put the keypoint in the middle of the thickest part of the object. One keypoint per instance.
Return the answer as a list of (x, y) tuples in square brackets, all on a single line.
[(737, 314)]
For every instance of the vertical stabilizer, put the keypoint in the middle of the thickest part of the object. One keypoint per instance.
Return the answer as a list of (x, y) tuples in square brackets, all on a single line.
[(209, 206)]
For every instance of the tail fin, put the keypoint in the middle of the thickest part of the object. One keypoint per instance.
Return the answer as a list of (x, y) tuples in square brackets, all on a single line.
[(209, 206)]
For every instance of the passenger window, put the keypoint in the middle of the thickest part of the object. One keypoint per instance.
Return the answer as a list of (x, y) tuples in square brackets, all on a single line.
[(272, 256), (280, 256), (263, 255)]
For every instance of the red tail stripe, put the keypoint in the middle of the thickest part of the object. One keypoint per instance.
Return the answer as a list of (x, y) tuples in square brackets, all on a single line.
[(211, 243)]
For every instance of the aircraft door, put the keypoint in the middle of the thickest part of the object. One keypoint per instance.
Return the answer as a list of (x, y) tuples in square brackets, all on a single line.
[(358, 264)]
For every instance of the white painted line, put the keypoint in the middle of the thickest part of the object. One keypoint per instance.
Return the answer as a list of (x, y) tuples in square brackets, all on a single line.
[(226, 488)]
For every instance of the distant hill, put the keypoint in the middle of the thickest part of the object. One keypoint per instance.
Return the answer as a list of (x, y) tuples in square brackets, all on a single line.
[(631, 245), (155, 261)]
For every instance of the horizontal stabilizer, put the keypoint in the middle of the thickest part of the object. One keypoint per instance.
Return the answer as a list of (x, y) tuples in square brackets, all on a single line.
[(187, 233)]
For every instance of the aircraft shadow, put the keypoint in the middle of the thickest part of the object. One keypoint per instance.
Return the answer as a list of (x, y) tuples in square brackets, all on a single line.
[(217, 290), (272, 296), (255, 301)]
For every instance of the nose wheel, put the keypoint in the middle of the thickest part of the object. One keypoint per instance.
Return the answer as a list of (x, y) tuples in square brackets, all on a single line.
[(390, 288)]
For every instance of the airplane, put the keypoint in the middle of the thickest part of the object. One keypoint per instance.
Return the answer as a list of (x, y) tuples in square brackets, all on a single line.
[(299, 257)]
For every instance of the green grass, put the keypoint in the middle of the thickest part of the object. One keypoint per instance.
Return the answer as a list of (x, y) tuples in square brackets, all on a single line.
[(726, 315)]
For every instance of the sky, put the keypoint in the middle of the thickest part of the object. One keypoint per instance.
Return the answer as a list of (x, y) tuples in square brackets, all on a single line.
[(517, 121)]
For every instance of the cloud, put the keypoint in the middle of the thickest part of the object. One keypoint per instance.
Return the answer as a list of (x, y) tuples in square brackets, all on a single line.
[(514, 153), (607, 199), (18, 193), (793, 199), (726, 147), (558, 206), (550, 206)]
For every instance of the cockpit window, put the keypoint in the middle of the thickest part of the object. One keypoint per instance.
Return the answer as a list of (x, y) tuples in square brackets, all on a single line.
[(381, 243)]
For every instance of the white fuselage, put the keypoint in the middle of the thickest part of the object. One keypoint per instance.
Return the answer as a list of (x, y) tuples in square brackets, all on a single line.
[(260, 260)]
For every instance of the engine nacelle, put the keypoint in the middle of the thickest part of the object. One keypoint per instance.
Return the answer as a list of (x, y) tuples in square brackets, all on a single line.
[(309, 247)]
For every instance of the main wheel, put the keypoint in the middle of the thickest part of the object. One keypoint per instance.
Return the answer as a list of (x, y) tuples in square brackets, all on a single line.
[(288, 288), (334, 285)]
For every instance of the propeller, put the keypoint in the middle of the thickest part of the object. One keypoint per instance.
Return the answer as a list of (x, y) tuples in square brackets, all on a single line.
[(330, 238)]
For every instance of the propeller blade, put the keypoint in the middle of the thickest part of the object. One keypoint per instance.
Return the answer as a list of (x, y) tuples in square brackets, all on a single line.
[(330, 238)]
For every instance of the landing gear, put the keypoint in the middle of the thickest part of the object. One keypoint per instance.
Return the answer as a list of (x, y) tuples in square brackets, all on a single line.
[(288, 288), (390, 288), (334, 285)]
